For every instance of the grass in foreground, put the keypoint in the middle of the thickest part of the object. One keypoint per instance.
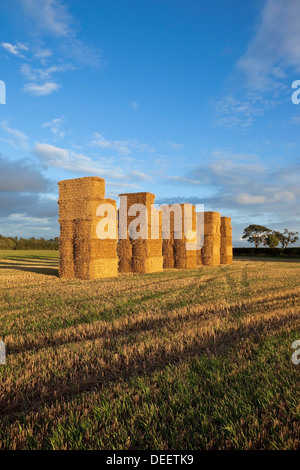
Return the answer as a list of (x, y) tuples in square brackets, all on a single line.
[(197, 359)]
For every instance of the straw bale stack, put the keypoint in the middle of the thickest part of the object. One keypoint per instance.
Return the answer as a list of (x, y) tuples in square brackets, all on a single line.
[(168, 254), (210, 252), (124, 250), (183, 258), (146, 254), (226, 241), (82, 254), (168, 238)]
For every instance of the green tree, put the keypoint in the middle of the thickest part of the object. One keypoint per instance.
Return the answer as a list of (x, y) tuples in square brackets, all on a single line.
[(271, 240), (286, 238), (256, 234)]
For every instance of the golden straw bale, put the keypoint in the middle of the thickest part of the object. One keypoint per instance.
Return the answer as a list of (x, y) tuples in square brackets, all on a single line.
[(168, 254), (90, 186)]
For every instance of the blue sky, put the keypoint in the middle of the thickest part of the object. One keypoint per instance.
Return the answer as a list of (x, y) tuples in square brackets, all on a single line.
[(188, 99)]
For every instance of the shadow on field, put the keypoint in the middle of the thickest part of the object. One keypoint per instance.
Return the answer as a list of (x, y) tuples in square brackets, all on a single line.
[(92, 377), (48, 267)]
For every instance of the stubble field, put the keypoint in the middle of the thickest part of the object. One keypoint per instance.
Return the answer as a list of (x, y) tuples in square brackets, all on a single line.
[(196, 359)]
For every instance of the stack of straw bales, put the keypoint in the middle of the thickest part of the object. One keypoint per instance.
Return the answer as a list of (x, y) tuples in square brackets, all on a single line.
[(168, 239), (183, 258), (124, 250), (210, 252), (199, 261), (226, 240), (146, 253), (82, 254)]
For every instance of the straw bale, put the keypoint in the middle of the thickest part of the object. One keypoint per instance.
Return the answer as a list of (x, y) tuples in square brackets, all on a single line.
[(142, 265), (226, 241), (124, 251), (212, 228), (95, 249), (168, 254), (97, 268), (139, 198), (66, 229), (211, 260), (83, 208), (147, 248), (90, 186), (154, 264), (66, 269), (212, 218), (198, 258)]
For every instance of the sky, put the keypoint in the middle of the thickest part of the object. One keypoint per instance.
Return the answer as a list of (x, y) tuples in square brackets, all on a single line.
[(188, 99)]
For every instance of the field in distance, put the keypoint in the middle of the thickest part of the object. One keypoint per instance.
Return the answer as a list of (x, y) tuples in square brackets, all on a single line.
[(190, 359)]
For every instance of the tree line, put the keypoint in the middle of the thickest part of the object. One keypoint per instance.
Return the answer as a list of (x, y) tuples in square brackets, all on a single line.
[(260, 235), (15, 243)]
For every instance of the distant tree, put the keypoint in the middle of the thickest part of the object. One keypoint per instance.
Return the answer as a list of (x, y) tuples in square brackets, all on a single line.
[(286, 238), (271, 240), (7, 243), (256, 234)]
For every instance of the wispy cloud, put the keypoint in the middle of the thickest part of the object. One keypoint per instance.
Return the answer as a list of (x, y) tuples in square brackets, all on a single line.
[(68, 52), (43, 54), (49, 16), (52, 17), (245, 185), (14, 137), (39, 74), (122, 146), (134, 104), (275, 46), (14, 49), (44, 89), (55, 126), (231, 112), (174, 145), (67, 159)]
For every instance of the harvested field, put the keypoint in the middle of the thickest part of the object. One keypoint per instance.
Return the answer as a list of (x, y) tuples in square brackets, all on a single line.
[(180, 359)]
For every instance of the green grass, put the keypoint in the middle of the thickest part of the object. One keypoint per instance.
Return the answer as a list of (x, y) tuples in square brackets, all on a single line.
[(190, 359), (31, 254), (209, 402)]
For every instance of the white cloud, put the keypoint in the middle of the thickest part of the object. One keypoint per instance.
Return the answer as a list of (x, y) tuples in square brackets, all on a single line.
[(16, 139), (49, 15), (43, 74), (174, 145), (55, 126), (122, 146), (275, 46), (231, 111), (43, 53), (245, 198), (52, 17), (284, 196), (67, 159), (14, 49), (134, 104), (41, 90)]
